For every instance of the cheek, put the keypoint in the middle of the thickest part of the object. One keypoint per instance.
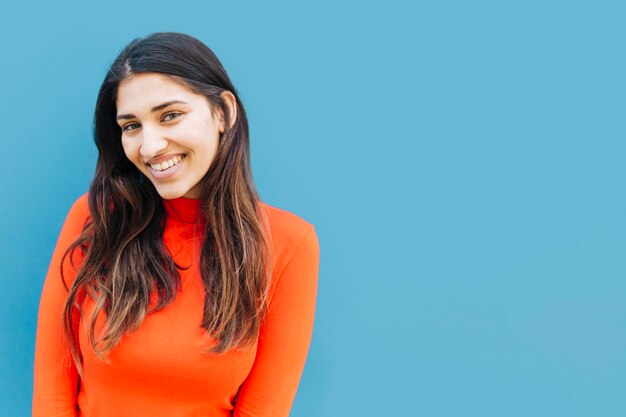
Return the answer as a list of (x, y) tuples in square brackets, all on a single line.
[(129, 149)]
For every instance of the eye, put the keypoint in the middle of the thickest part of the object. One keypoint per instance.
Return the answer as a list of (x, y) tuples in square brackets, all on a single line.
[(172, 113), (126, 128)]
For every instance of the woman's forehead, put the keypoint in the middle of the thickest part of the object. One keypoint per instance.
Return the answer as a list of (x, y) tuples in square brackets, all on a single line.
[(146, 90)]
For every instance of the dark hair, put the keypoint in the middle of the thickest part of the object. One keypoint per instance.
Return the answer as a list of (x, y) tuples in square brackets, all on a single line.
[(122, 241)]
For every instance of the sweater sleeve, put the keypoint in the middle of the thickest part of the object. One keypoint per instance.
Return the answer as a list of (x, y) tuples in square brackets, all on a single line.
[(55, 376), (270, 388)]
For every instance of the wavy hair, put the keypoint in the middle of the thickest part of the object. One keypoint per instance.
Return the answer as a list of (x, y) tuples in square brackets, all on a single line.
[(124, 257)]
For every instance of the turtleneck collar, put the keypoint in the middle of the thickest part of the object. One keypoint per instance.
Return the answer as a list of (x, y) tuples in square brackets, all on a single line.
[(186, 210)]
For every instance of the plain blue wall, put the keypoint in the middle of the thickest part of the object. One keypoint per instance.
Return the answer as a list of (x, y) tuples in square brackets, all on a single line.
[(463, 164)]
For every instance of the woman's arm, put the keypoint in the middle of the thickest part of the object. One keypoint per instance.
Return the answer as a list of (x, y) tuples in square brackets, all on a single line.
[(55, 376), (270, 388)]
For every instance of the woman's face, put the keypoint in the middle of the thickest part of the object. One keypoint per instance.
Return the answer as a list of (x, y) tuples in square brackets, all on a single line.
[(168, 132)]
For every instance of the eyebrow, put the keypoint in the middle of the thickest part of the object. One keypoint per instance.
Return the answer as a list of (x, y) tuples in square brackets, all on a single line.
[(154, 109)]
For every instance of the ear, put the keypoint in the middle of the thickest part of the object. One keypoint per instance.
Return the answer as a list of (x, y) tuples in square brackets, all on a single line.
[(231, 103)]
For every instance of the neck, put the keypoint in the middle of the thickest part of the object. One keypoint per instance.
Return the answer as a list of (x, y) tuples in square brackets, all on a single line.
[(186, 210)]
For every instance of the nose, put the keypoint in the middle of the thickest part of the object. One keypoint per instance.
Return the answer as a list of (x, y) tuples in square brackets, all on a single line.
[(152, 144)]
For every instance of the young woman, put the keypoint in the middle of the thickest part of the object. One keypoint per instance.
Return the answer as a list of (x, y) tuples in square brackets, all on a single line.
[(173, 290)]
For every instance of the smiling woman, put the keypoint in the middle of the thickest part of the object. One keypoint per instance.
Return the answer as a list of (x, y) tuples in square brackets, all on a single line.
[(183, 123), (173, 289)]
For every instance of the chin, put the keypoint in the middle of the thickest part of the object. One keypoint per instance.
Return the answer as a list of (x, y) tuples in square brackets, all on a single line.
[(170, 194)]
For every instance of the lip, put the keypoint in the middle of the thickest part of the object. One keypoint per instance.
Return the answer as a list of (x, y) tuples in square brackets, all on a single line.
[(168, 173), (163, 158)]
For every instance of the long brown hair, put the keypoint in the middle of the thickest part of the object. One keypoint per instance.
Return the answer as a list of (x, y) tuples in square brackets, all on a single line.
[(125, 258)]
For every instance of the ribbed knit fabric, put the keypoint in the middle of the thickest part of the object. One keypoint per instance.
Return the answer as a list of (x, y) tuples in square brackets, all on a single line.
[(161, 369)]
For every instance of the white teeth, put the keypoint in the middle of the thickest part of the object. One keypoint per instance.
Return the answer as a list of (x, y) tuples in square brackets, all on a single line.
[(167, 164)]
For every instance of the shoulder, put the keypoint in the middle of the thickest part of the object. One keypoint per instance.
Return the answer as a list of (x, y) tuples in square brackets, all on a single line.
[(296, 254), (289, 233), (73, 226), (82, 203), (79, 212), (286, 227)]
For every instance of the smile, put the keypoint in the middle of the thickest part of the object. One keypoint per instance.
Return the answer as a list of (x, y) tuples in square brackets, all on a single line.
[(163, 166)]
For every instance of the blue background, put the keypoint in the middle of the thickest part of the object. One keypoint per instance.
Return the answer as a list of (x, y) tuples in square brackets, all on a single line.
[(463, 163)]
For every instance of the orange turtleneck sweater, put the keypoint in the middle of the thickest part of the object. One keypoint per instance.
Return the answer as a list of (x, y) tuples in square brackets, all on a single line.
[(160, 369)]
